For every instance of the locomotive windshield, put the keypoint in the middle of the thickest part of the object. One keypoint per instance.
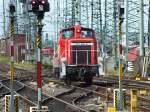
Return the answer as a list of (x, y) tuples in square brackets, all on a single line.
[(87, 33), (68, 34)]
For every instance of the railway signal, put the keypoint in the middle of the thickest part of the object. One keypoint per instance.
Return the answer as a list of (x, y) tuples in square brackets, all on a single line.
[(39, 7), (12, 11), (121, 13)]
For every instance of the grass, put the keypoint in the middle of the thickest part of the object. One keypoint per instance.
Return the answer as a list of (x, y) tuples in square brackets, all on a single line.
[(112, 72), (26, 65), (4, 60), (47, 66)]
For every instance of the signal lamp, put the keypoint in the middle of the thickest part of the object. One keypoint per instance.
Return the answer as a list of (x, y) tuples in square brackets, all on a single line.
[(78, 31), (12, 8), (43, 1), (33, 2)]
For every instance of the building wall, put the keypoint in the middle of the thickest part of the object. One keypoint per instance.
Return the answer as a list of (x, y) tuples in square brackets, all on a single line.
[(19, 47)]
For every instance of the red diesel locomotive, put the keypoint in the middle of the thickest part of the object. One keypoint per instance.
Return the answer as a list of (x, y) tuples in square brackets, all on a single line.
[(77, 54)]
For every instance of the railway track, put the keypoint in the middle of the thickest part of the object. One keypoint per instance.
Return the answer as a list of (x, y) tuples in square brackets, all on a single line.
[(144, 108), (101, 92), (30, 96), (129, 83), (67, 99), (59, 100), (3, 90)]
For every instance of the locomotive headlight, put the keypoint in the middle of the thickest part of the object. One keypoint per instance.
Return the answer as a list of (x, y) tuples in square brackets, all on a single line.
[(63, 59)]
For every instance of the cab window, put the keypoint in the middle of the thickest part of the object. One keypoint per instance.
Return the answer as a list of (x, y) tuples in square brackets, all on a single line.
[(68, 34), (87, 33)]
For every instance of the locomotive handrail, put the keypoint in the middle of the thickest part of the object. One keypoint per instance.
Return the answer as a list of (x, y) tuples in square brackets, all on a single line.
[(83, 50), (87, 55)]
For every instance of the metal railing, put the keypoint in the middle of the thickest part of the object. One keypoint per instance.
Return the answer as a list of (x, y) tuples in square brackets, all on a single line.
[(81, 56)]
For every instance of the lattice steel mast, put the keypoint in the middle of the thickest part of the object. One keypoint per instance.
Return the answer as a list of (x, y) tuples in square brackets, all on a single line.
[(149, 26), (4, 19)]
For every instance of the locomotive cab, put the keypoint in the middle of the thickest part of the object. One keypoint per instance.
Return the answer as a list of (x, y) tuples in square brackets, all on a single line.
[(77, 54)]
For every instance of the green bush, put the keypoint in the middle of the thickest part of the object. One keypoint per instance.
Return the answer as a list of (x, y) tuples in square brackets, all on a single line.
[(47, 66)]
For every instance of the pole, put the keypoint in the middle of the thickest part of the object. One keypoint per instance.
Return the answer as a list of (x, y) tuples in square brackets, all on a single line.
[(58, 16), (101, 33), (78, 11), (120, 102), (4, 18), (39, 46), (115, 30), (104, 39), (141, 29), (12, 11), (26, 30), (54, 35), (92, 9), (127, 41), (149, 26), (87, 13), (12, 64)]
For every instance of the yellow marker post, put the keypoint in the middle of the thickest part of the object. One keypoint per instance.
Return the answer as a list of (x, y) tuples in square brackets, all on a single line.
[(111, 109), (7, 103), (133, 100), (143, 92), (138, 78), (7, 100), (121, 72), (16, 103)]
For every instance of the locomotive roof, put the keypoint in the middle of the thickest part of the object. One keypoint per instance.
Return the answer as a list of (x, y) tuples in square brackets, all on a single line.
[(76, 26)]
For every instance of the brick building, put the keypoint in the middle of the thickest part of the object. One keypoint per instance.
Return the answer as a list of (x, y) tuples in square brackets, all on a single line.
[(19, 47)]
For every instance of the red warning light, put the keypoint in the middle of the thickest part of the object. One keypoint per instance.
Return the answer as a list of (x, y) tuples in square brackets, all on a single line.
[(43, 1), (33, 2), (78, 30)]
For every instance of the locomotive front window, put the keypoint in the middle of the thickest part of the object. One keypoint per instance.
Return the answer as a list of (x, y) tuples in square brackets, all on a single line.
[(87, 33), (68, 34)]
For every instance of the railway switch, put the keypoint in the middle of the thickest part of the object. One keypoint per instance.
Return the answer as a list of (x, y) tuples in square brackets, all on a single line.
[(35, 109), (101, 107)]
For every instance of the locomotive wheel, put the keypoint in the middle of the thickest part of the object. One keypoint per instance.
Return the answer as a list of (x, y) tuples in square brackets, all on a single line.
[(57, 73), (67, 80), (88, 79)]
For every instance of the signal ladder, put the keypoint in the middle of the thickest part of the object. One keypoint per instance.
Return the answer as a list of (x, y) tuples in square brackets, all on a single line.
[(145, 63), (130, 66)]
